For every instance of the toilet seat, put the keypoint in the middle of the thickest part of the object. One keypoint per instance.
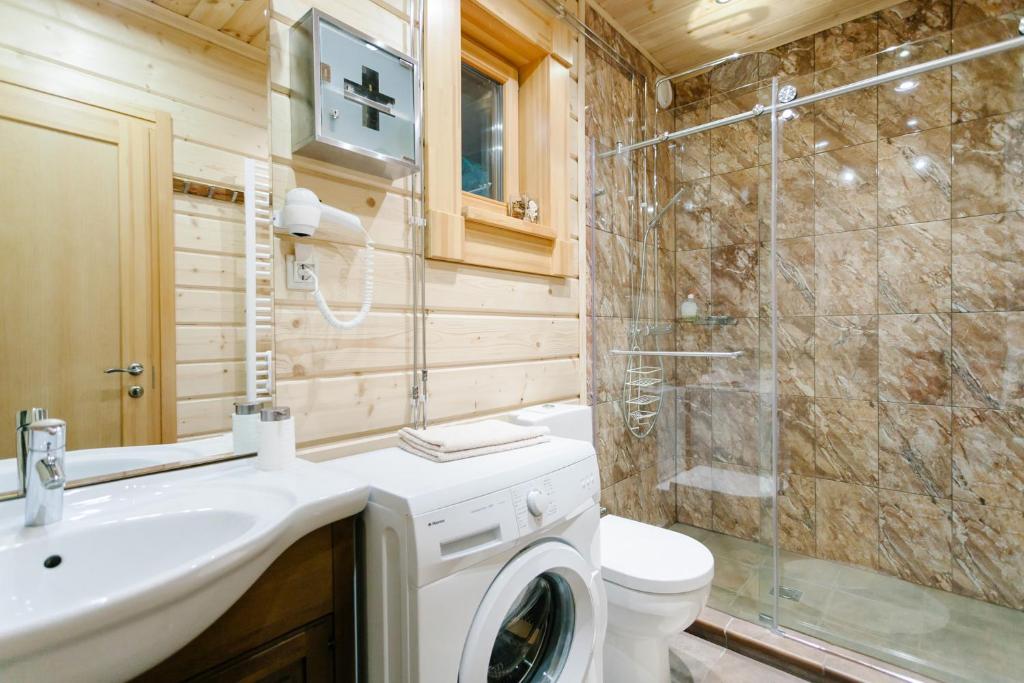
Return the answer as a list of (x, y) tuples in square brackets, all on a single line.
[(651, 559)]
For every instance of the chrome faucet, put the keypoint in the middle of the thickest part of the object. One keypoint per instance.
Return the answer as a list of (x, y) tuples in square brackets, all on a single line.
[(41, 446)]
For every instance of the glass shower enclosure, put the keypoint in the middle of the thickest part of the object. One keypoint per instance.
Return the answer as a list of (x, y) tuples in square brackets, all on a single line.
[(841, 420)]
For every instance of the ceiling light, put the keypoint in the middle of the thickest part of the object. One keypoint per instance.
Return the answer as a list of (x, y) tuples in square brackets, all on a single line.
[(722, 2)]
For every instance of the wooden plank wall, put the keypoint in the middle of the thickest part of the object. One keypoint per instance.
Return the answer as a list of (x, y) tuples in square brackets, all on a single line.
[(497, 340), (106, 54)]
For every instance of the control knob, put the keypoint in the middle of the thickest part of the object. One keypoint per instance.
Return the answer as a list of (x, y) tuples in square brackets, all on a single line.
[(537, 502)]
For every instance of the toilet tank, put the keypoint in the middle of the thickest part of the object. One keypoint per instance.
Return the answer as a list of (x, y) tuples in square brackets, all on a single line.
[(567, 420)]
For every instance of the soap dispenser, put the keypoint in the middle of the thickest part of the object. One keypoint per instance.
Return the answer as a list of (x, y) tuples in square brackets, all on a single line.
[(688, 309)]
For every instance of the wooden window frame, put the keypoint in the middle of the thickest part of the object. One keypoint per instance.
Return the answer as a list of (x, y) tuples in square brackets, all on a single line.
[(502, 37)]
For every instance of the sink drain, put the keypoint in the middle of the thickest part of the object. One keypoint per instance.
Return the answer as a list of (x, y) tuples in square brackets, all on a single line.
[(52, 561)]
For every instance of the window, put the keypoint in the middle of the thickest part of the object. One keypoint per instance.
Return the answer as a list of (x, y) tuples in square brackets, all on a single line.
[(490, 148), (483, 139)]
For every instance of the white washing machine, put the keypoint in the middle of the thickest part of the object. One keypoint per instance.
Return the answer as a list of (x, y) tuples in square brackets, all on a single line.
[(482, 570)]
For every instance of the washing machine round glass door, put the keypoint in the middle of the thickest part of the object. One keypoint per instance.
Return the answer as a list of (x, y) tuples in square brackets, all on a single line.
[(537, 621)]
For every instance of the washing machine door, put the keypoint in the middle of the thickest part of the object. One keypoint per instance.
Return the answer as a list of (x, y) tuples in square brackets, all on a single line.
[(538, 620)]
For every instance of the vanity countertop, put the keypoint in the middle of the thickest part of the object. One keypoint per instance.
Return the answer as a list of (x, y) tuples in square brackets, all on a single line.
[(146, 564)]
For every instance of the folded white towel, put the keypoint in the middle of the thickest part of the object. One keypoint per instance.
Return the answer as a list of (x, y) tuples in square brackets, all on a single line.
[(441, 456), (463, 437)]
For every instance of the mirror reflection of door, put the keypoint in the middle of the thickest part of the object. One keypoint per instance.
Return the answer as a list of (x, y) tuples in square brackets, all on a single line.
[(86, 198)]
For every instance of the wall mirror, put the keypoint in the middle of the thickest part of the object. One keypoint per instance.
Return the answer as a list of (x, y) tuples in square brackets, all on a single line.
[(125, 267)]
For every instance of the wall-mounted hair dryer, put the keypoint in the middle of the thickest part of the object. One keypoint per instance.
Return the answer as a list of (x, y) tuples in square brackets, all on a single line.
[(301, 216)]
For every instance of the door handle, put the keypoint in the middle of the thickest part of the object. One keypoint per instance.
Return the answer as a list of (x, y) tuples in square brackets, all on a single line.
[(133, 369)]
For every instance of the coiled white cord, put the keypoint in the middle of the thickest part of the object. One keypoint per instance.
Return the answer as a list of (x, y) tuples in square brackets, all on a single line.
[(359, 317)]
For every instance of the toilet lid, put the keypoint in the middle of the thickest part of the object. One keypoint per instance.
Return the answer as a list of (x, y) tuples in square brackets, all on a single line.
[(651, 559)]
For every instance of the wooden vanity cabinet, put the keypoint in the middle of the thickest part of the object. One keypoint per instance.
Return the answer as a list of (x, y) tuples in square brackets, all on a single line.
[(296, 624)]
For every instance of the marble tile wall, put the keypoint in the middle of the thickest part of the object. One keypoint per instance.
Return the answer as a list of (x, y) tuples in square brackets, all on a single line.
[(633, 471), (900, 279)]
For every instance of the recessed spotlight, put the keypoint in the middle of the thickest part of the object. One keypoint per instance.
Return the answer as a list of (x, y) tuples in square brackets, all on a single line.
[(722, 2)]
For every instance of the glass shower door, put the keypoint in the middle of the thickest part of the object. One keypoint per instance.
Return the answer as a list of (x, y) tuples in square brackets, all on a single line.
[(900, 333), (723, 490)]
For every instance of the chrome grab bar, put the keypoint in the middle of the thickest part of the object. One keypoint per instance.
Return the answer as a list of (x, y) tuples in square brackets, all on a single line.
[(679, 354)]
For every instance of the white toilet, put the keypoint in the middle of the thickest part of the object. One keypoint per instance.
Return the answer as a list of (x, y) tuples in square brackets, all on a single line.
[(657, 581)]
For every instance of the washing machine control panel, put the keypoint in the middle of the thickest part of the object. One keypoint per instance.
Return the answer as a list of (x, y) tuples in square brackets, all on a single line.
[(554, 496)]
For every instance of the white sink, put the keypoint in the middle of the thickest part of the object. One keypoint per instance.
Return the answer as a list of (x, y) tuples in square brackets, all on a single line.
[(147, 564)]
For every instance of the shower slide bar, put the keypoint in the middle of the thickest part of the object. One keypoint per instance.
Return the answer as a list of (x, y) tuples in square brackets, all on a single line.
[(759, 109), (679, 354)]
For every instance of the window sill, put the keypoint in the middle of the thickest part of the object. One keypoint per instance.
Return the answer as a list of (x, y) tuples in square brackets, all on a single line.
[(492, 219)]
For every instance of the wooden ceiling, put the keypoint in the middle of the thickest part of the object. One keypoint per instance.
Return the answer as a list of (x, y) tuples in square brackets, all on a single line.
[(243, 20), (679, 34)]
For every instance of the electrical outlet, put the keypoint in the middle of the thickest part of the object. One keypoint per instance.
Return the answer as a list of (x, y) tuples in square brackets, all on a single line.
[(299, 273)]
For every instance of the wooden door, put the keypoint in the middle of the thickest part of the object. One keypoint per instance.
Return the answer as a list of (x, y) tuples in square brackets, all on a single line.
[(80, 268)]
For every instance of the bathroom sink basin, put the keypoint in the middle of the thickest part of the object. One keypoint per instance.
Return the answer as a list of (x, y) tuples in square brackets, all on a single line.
[(138, 568)]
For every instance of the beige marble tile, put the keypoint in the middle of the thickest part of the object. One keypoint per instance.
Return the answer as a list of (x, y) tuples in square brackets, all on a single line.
[(914, 358), (657, 499), (988, 263), (611, 274), (987, 368), (736, 427), (846, 522), (612, 444), (666, 291), (971, 12), (990, 85), (692, 155), (794, 277), (693, 276), (733, 147), (846, 42), (846, 189), (913, 20), (914, 177), (988, 457), (988, 165), (795, 58), (795, 344), (694, 425), (737, 373), (846, 357), (734, 74), (692, 372), (846, 440), (734, 280), (797, 130), (915, 449), (627, 498), (694, 495), (796, 513), (915, 538), (846, 273), (795, 199), (693, 216), (919, 102), (988, 553), (914, 268), (796, 435), (609, 333), (733, 207), (737, 509), (849, 119)]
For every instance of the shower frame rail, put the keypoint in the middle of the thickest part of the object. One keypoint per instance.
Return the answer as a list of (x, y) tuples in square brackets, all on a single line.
[(760, 109), (679, 354)]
